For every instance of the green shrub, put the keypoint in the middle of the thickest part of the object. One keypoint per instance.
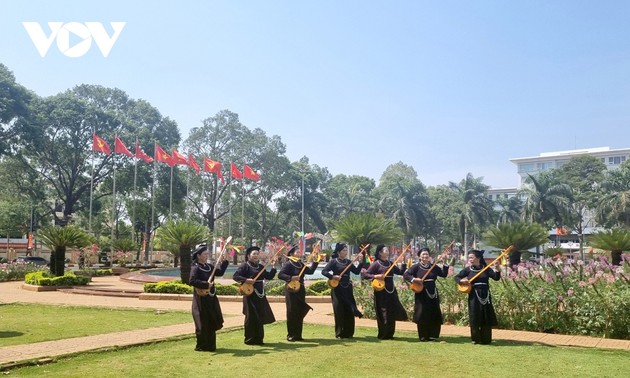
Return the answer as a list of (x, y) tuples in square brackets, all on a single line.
[(319, 286), (275, 289), (17, 271), (45, 278), (231, 289), (168, 287)]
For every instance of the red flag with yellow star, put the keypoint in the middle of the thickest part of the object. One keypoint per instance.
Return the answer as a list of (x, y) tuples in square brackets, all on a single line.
[(99, 144)]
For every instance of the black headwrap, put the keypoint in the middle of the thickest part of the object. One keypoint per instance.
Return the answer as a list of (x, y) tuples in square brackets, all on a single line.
[(199, 251), (479, 254), (249, 250), (379, 248), (338, 248)]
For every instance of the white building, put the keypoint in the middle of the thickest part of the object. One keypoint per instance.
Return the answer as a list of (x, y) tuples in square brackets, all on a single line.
[(550, 160)]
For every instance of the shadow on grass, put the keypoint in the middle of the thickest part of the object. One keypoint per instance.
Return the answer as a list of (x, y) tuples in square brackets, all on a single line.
[(9, 334)]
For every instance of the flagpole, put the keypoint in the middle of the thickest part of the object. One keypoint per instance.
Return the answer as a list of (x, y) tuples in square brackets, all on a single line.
[(243, 213), (133, 206), (111, 249), (187, 200), (91, 186), (149, 244), (230, 209), (170, 201)]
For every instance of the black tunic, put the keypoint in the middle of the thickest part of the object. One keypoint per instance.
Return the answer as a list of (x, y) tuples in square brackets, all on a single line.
[(297, 308), (480, 309), (343, 302), (255, 307), (206, 310), (427, 314), (386, 302)]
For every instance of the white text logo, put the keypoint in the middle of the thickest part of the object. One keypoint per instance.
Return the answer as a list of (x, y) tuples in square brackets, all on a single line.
[(62, 32)]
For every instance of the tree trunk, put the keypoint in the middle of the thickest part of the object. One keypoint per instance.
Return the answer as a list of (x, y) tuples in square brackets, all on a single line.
[(616, 256), (57, 261), (515, 258), (185, 260)]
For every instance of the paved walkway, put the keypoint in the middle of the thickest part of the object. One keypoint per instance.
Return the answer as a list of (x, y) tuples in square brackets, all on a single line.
[(12, 292)]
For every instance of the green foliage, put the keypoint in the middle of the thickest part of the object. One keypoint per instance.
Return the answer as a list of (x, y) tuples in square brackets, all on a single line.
[(66, 237), (45, 278), (616, 240), (522, 236), (231, 289), (554, 251), (319, 286), (17, 272), (168, 287), (182, 236), (363, 228)]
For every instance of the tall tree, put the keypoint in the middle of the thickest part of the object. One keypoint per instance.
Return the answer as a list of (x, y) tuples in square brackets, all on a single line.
[(14, 108), (545, 199), (613, 207), (584, 175), (477, 208), (403, 197), (349, 194)]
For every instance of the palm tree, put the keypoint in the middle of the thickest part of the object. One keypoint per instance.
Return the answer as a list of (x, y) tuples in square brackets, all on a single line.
[(545, 199), (614, 205), (511, 210), (616, 241), (521, 235), (185, 235), (477, 208), (363, 228), (58, 239)]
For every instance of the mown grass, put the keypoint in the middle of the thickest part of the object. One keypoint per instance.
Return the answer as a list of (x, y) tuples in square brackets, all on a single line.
[(324, 356), (31, 323)]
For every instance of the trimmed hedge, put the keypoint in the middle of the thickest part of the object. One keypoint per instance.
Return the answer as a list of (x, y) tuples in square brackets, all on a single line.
[(45, 278)]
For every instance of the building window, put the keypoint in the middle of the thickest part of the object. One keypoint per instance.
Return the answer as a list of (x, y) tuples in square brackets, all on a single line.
[(616, 160), (544, 166), (526, 167)]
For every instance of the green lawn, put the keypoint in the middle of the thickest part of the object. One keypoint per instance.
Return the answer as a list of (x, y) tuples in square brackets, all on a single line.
[(31, 323), (324, 356)]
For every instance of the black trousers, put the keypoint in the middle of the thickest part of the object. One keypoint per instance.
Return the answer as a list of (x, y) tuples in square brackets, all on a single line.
[(254, 331), (295, 323), (206, 339)]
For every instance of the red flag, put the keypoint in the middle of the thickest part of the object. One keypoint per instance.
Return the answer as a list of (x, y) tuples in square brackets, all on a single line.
[(249, 173), (162, 156), (120, 148), (235, 172), (212, 166), (193, 163), (178, 158), (141, 155), (99, 144)]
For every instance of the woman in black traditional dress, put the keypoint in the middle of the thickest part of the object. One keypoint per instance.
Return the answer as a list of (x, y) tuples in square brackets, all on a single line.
[(206, 309), (481, 316), (297, 308), (343, 302), (386, 302), (427, 314), (255, 306)]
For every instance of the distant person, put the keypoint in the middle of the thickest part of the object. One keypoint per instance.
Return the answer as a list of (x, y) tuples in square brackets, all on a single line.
[(386, 302), (206, 309), (427, 314), (343, 302), (481, 315), (297, 308), (255, 306)]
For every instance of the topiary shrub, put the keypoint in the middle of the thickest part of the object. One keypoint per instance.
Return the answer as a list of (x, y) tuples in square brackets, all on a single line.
[(168, 287), (231, 289), (45, 278), (319, 286)]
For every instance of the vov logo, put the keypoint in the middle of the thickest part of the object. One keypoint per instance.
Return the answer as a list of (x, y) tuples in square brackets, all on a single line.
[(61, 32)]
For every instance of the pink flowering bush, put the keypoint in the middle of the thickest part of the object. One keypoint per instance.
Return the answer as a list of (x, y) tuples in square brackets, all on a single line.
[(574, 297), (17, 271), (566, 296)]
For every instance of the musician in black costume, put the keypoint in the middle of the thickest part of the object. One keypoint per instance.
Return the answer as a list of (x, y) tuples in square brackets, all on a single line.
[(386, 302), (255, 306), (427, 314), (206, 310), (343, 302), (481, 315), (297, 308)]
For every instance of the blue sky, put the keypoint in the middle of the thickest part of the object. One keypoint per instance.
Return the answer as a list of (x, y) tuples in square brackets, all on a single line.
[(448, 87)]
